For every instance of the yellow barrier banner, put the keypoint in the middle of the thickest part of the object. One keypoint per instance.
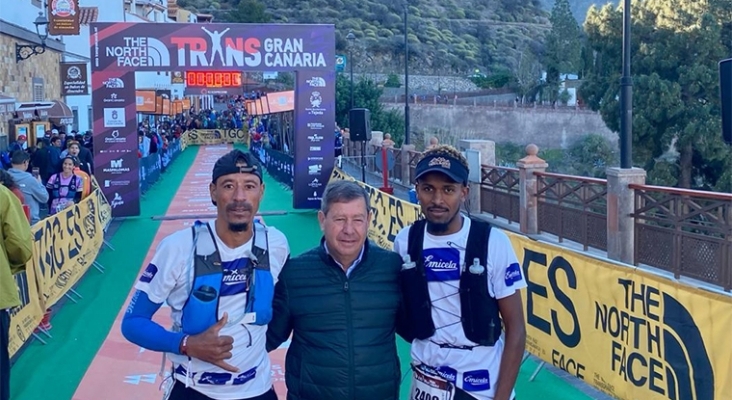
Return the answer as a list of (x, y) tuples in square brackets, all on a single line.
[(216, 136), (25, 318), (65, 246), (629, 333), (390, 214)]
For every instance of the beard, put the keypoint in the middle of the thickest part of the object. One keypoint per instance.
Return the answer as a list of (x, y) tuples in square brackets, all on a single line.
[(437, 227), (238, 227)]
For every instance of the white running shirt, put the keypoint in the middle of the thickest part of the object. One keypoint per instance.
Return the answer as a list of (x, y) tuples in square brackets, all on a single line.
[(475, 371), (165, 280)]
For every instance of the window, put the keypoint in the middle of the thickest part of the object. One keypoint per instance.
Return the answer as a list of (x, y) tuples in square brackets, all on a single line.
[(36, 3), (75, 112), (91, 119), (39, 92)]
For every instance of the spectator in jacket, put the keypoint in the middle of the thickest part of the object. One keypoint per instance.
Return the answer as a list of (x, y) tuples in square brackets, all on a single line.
[(33, 191), (7, 180), (341, 301), (16, 248)]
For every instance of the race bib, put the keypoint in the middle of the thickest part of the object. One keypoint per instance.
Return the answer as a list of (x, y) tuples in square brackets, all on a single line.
[(429, 386)]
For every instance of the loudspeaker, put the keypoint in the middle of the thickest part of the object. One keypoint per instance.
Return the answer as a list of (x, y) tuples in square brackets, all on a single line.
[(360, 124), (725, 88)]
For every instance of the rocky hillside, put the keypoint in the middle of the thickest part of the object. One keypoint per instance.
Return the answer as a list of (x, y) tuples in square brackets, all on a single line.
[(445, 36)]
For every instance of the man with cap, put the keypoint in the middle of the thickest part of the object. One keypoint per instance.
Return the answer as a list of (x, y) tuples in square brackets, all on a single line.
[(218, 279), (460, 284)]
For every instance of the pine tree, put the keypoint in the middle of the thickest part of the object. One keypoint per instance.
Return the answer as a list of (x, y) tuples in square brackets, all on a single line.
[(676, 47), (563, 46)]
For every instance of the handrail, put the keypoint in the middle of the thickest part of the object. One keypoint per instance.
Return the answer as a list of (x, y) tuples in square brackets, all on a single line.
[(684, 192)]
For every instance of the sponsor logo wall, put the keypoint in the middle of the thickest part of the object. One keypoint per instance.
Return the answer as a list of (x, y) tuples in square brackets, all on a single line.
[(120, 49), (65, 246), (116, 140), (629, 333)]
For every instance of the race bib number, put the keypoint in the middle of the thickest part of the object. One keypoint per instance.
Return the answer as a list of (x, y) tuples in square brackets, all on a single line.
[(427, 386)]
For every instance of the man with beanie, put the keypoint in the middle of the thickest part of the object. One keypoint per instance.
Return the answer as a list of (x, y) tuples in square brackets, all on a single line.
[(16, 248), (218, 279)]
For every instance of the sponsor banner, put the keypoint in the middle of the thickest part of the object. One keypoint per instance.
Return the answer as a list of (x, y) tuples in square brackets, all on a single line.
[(65, 245), (390, 214), (145, 101), (279, 165), (278, 102), (314, 116), (63, 17), (629, 333), (198, 47), (150, 169), (74, 79), (25, 318), (203, 137), (116, 141)]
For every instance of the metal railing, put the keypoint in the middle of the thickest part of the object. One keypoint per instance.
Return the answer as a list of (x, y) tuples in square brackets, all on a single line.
[(573, 207), (499, 192), (685, 232)]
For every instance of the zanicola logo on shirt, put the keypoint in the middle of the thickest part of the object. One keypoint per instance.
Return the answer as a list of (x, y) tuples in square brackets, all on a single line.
[(430, 262), (474, 381)]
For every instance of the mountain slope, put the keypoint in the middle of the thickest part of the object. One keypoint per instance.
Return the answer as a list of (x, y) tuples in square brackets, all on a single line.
[(445, 36)]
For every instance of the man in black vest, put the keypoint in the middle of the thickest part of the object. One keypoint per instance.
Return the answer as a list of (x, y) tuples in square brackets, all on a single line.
[(340, 300), (460, 283)]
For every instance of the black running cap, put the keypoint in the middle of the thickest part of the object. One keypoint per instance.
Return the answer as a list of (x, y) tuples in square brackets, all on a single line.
[(236, 162)]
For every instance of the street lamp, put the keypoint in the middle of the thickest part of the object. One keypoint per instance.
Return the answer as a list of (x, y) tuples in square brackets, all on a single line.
[(351, 39), (25, 51), (626, 96), (406, 74)]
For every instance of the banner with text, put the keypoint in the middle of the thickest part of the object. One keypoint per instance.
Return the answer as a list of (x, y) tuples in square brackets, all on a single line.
[(25, 318), (64, 247), (66, 244), (629, 333), (314, 135), (187, 47), (203, 137), (115, 140), (278, 164)]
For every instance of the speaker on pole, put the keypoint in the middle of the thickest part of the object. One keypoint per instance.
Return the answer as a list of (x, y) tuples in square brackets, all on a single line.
[(725, 88), (359, 124)]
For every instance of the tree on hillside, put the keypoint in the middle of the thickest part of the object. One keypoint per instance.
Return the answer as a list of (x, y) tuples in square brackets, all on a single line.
[(676, 48), (250, 12), (367, 95), (563, 45)]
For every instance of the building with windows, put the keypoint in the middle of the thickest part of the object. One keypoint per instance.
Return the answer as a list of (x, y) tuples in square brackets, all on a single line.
[(26, 80)]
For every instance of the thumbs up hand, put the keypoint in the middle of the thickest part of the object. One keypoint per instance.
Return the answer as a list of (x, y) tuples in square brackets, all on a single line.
[(213, 348)]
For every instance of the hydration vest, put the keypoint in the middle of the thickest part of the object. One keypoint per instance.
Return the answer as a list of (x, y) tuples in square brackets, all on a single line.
[(201, 310), (479, 314)]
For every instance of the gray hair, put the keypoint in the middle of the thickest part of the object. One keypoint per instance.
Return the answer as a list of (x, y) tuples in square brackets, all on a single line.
[(342, 191)]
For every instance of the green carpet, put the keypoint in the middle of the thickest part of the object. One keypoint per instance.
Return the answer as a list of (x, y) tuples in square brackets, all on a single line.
[(80, 329)]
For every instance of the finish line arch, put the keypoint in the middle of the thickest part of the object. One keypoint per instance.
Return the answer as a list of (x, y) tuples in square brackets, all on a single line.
[(120, 49)]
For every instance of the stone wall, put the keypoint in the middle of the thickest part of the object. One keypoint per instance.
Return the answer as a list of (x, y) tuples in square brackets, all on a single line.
[(16, 79), (545, 127)]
